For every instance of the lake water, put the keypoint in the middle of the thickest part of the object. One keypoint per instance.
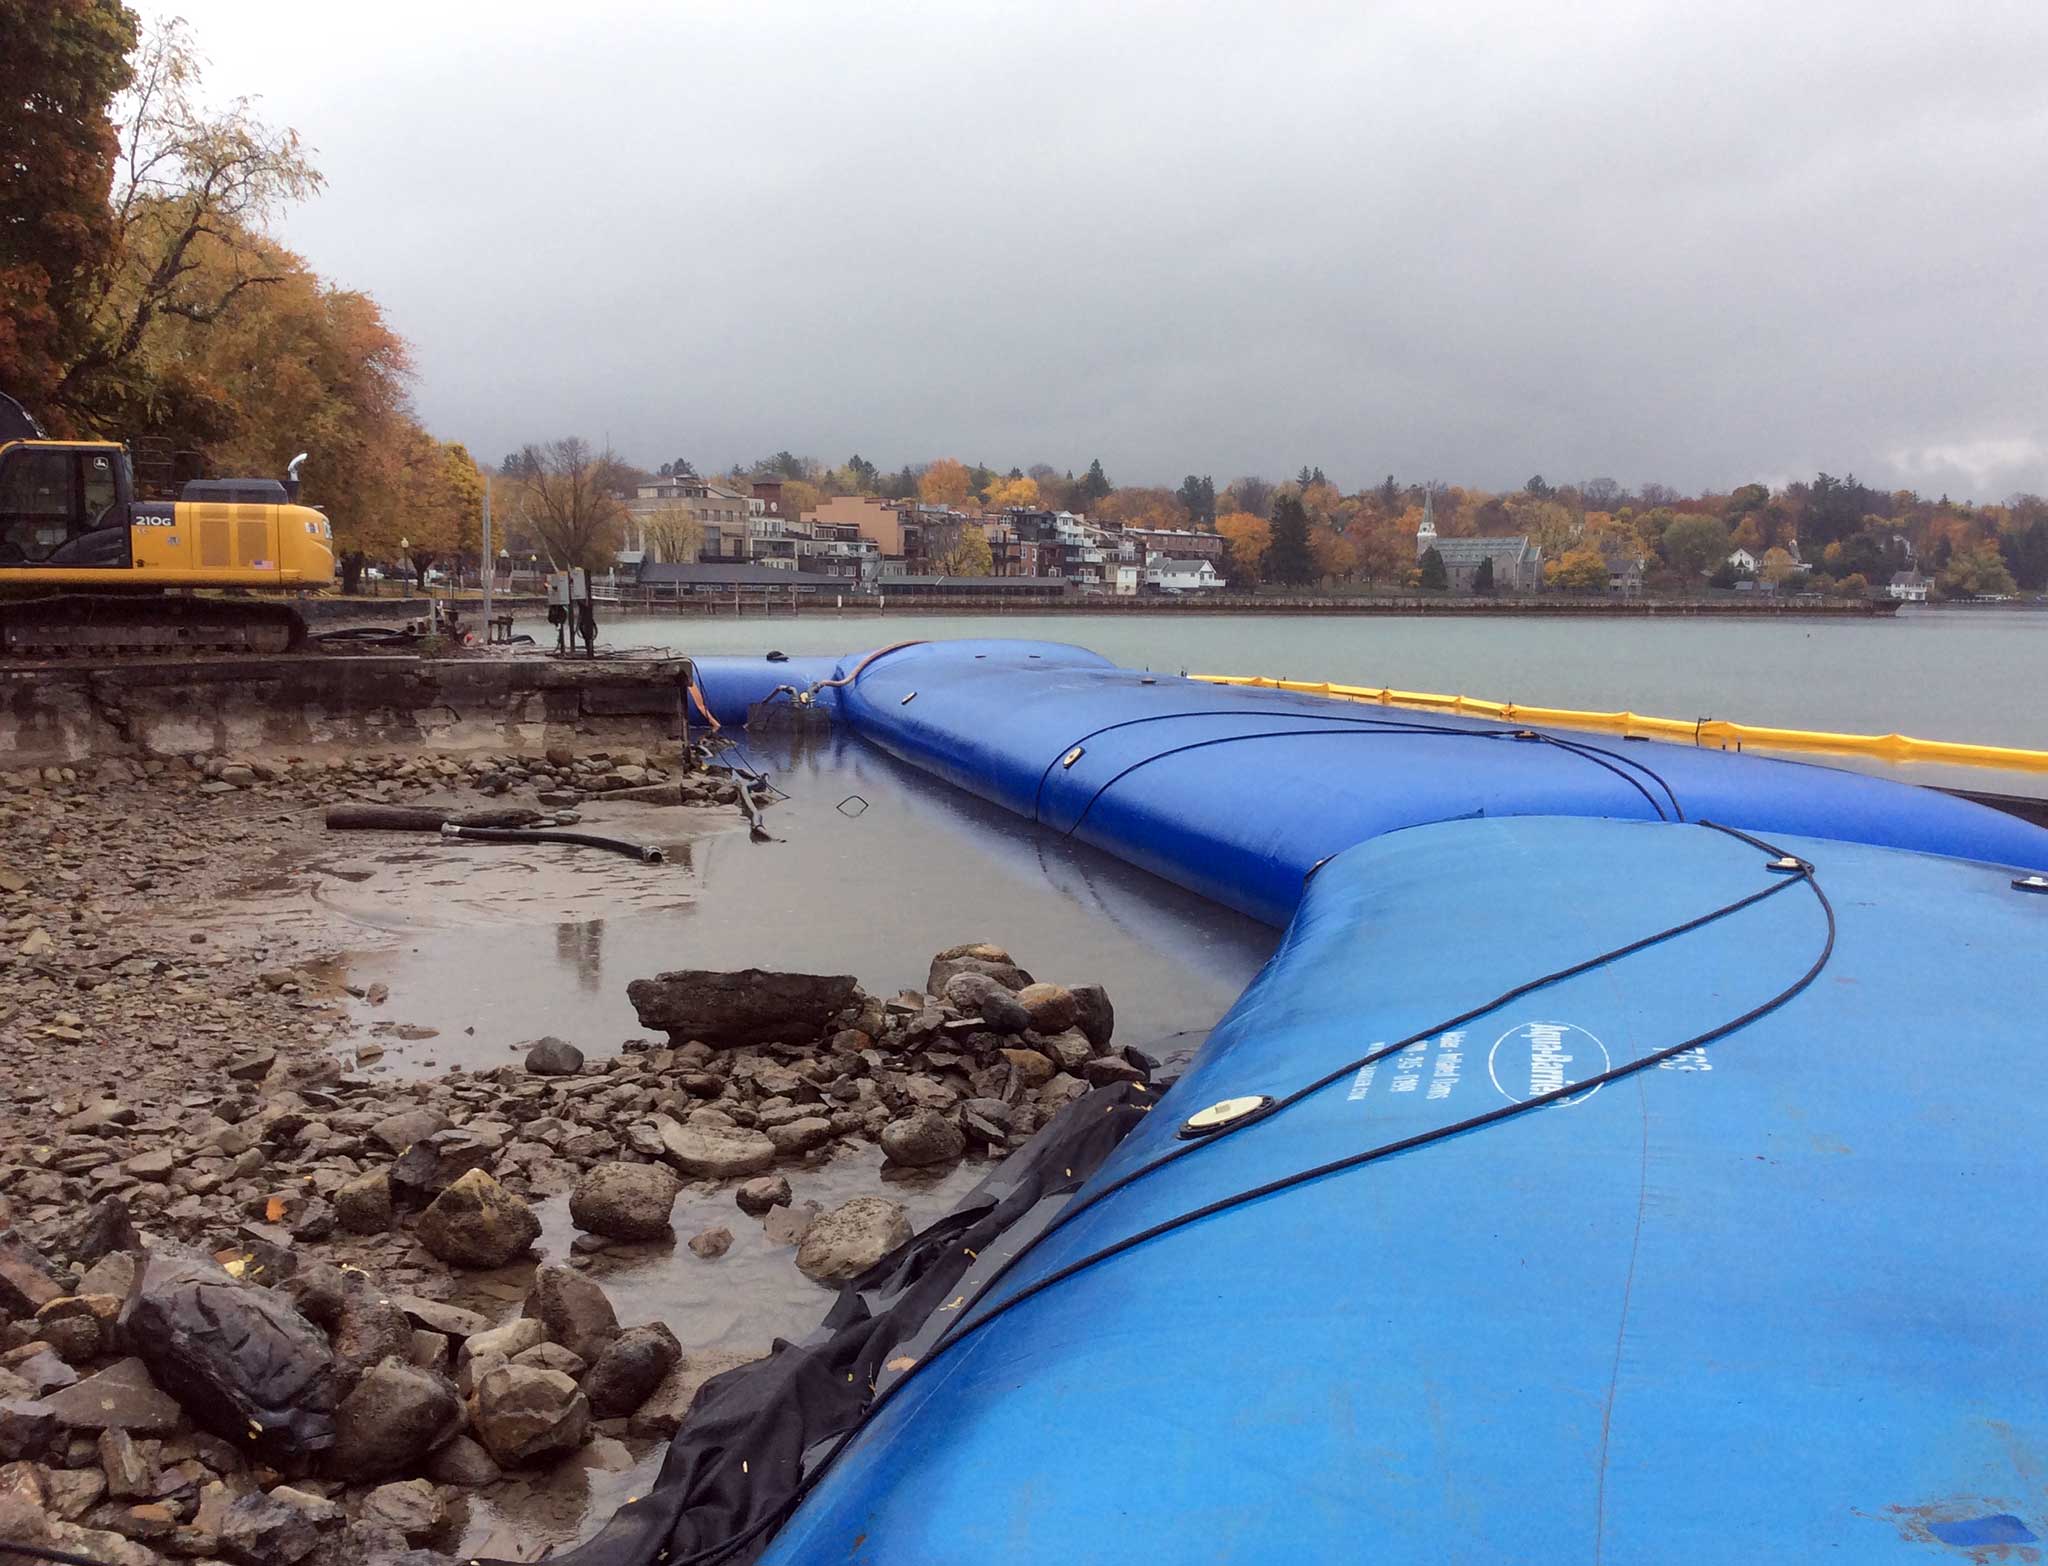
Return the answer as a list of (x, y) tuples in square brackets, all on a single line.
[(1977, 675)]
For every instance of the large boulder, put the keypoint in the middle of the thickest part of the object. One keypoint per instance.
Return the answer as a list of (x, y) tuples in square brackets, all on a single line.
[(28, 1279), (399, 1131), (1098, 1017), (122, 1397), (756, 1196), (924, 1136), (240, 1358), (410, 1508), (749, 1006), (631, 1367), (476, 1222), (976, 994), (433, 1163), (369, 1328), (714, 1152), (624, 1201), (1052, 1007), (463, 1461), (515, 1337), (28, 1428), (364, 1204), (847, 1241), (553, 1057), (261, 1530), (975, 957), (573, 1311), (107, 1227), (795, 1137), (396, 1415), (523, 1414)]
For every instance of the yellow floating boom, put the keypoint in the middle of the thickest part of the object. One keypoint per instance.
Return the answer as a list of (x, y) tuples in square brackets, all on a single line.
[(1713, 733)]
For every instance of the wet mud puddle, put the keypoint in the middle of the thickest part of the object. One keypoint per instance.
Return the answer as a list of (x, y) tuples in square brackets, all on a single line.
[(458, 955)]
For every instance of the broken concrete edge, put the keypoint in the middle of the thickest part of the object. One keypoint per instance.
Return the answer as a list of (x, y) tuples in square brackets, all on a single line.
[(58, 716)]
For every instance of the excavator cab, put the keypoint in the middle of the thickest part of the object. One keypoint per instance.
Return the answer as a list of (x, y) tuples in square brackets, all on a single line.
[(65, 505)]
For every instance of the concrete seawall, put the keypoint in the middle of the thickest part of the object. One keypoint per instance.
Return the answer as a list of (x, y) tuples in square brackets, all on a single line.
[(53, 715)]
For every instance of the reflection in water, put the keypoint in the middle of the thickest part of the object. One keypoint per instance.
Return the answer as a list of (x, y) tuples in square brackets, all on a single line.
[(580, 944), (872, 893)]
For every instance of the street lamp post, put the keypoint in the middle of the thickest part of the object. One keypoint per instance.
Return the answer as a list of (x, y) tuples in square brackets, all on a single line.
[(490, 570)]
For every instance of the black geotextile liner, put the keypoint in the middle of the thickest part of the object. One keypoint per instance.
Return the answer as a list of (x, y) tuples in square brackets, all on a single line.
[(738, 1458)]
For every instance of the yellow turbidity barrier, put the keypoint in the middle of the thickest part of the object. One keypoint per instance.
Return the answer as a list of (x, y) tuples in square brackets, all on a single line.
[(1712, 733)]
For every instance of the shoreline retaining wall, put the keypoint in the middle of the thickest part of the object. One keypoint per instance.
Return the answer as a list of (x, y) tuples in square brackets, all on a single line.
[(52, 715)]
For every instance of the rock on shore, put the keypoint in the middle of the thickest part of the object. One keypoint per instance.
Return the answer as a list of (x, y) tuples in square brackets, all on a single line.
[(287, 1164), (750, 1006)]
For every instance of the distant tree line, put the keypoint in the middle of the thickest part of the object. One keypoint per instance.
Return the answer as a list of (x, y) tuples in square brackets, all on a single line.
[(1830, 534)]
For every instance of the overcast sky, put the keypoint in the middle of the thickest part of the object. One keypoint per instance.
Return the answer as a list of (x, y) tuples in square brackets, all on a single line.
[(1696, 243)]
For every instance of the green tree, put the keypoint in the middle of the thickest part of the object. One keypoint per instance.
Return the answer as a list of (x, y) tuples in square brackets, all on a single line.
[(62, 64), (1977, 571), (2026, 554), (1482, 579), (1434, 576), (1199, 496), (1095, 484), (1288, 558), (1695, 545)]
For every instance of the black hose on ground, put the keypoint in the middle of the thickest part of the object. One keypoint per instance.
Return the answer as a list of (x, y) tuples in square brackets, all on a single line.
[(647, 854)]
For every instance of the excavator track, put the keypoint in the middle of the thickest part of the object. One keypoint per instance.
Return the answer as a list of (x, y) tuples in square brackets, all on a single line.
[(100, 623)]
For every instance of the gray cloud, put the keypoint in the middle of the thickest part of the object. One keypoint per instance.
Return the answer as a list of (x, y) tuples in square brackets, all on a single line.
[(1697, 244)]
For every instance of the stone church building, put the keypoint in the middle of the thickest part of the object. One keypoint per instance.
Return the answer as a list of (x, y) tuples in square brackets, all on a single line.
[(1517, 563)]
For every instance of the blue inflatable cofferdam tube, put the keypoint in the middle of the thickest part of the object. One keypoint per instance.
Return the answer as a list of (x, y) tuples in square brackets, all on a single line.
[(1238, 793), (1600, 1191)]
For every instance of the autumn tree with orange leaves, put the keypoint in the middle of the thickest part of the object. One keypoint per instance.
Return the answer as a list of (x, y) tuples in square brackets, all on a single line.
[(1142, 507), (1248, 537), (1021, 493), (945, 483)]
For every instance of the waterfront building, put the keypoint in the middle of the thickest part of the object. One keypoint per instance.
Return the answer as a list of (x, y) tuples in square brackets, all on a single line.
[(1181, 576), (1517, 563), (1175, 543), (721, 512)]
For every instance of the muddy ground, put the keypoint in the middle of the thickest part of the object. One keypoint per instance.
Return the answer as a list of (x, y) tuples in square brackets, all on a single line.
[(190, 946)]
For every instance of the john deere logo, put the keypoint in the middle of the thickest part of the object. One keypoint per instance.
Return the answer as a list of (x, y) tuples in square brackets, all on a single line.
[(1536, 1058)]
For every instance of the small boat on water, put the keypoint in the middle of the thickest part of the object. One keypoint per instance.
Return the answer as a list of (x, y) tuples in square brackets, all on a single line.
[(1628, 1156)]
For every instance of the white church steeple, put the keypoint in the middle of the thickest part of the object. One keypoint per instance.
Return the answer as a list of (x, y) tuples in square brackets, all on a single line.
[(1425, 535)]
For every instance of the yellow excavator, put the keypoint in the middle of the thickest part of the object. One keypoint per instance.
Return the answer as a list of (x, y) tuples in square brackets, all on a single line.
[(86, 565)]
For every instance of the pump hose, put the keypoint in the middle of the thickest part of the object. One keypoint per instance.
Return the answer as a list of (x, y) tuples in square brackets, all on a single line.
[(855, 672), (647, 854)]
